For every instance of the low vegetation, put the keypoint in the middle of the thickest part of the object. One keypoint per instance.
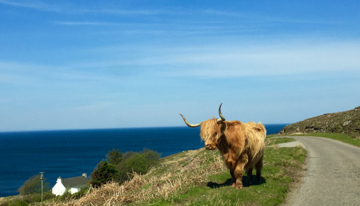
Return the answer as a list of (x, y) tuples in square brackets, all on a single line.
[(23, 200), (29, 192), (199, 177), (347, 122), (33, 186), (116, 168), (278, 140), (340, 137), (120, 167)]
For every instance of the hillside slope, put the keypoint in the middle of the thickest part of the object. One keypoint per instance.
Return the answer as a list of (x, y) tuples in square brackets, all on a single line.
[(347, 122), (199, 177)]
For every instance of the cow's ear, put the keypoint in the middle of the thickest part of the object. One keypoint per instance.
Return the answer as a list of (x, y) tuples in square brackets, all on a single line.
[(222, 126)]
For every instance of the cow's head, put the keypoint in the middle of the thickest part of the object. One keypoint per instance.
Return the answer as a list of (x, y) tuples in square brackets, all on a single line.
[(211, 130)]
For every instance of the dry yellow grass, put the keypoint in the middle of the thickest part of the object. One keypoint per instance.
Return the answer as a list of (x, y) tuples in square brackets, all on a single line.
[(146, 188)]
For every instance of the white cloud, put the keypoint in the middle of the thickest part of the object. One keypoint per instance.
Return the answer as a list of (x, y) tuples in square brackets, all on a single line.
[(39, 5), (31, 4), (86, 23), (254, 17), (126, 12), (211, 61), (266, 60)]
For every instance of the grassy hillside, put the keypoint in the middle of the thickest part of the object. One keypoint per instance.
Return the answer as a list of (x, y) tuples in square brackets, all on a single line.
[(200, 177), (347, 122)]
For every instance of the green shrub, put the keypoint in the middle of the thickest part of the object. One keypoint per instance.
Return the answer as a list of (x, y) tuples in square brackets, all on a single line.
[(137, 163), (33, 186), (125, 173), (18, 203), (151, 157), (114, 157), (120, 167), (103, 173)]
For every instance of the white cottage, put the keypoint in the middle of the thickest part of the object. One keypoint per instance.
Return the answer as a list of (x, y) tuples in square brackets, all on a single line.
[(73, 184)]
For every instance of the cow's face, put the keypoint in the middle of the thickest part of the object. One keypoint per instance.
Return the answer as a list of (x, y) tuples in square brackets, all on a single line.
[(211, 131)]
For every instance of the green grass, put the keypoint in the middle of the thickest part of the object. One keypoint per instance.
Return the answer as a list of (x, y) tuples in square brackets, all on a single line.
[(280, 167), (271, 135), (280, 140), (201, 178), (336, 136)]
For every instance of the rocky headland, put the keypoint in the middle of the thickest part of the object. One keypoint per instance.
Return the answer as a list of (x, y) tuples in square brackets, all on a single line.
[(347, 122)]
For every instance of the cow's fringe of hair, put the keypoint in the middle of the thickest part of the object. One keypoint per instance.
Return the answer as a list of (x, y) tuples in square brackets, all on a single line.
[(208, 126)]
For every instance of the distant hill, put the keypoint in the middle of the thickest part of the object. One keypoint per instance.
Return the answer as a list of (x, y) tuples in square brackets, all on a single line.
[(347, 122)]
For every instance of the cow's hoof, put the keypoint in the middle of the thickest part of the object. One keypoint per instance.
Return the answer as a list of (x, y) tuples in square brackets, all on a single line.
[(233, 185), (239, 187)]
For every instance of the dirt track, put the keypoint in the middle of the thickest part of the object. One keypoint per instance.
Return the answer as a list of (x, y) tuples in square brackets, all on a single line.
[(332, 176)]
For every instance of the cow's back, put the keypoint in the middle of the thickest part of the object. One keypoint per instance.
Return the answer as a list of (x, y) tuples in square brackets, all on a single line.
[(255, 134)]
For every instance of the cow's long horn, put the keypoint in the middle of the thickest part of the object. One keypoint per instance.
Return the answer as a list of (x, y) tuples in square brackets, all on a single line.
[(221, 116), (190, 125)]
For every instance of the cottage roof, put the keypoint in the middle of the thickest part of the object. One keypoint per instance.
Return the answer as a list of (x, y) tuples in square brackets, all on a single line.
[(75, 181)]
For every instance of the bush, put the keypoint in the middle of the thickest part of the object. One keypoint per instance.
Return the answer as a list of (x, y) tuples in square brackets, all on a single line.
[(33, 186), (125, 173), (18, 203), (120, 167), (103, 173), (137, 163), (114, 157), (151, 157)]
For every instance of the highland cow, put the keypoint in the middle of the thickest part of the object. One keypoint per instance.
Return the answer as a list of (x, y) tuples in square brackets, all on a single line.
[(241, 144)]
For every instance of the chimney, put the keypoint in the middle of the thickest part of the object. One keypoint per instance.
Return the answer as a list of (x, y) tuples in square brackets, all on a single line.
[(84, 175), (58, 180)]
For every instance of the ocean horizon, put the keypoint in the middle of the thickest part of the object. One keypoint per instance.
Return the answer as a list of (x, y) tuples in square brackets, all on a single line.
[(69, 153)]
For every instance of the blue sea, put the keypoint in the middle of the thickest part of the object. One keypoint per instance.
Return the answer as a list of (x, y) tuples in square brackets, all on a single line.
[(70, 153)]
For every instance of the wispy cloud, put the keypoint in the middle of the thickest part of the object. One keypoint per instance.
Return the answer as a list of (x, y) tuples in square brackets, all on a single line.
[(267, 61), (126, 12), (31, 4), (49, 7), (216, 60), (225, 13), (265, 18), (86, 23), (239, 60)]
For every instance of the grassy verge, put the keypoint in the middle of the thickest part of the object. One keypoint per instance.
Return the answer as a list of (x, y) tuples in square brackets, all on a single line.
[(279, 140), (271, 135), (281, 167), (202, 179), (336, 136), (23, 200)]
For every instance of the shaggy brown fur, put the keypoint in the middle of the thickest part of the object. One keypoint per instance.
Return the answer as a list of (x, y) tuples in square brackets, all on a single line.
[(241, 144)]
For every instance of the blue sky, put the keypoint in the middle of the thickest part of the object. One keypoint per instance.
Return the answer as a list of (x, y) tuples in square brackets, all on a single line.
[(113, 64)]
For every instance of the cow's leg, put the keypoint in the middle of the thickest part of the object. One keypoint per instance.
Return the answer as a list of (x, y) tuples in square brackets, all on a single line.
[(231, 165), (233, 179), (259, 166), (249, 174), (239, 171)]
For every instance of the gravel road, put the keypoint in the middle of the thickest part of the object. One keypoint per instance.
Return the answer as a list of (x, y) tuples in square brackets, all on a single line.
[(332, 176)]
